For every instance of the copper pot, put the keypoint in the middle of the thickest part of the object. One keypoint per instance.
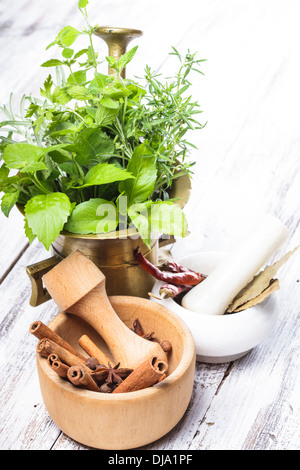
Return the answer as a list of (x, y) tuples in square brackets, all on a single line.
[(112, 254)]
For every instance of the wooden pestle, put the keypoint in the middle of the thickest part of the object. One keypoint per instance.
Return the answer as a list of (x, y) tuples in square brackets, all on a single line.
[(77, 286)]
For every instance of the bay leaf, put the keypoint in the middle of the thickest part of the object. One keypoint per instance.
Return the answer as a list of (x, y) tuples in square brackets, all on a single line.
[(273, 286), (259, 283)]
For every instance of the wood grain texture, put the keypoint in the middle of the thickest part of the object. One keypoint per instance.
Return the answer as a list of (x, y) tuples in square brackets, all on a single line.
[(247, 165)]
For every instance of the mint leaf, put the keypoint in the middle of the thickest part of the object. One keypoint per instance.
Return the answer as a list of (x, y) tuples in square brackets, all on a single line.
[(83, 3), (52, 63), (104, 173), (120, 64), (46, 215), (109, 103), (104, 116), (6, 184), (99, 82), (67, 52), (60, 96), (79, 92), (116, 93), (4, 172), (126, 58), (111, 61), (18, 156), (143, 166), (80, 53), (65, 37), (93, 146), (77, 78), (93, 216)]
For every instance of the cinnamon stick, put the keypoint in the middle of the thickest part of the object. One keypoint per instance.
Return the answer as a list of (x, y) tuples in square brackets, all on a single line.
[(80, 378), (59, 367), (162, 378), (145, 375), (40, 331), (46, 347), (90, 347)]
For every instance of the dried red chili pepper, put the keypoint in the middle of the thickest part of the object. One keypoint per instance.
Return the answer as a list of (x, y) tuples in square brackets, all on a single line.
[(174, 267), (169, 291), (188, 278)]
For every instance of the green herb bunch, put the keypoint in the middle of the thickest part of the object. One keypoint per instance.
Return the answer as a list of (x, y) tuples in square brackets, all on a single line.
[(90, 139)]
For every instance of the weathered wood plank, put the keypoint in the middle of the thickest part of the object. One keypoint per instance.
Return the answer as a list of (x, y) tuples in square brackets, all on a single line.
[(13, 241), (25, 423)]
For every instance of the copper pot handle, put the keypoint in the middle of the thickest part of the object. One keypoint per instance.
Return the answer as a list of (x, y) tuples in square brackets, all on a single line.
[(170, 240), (36, 271)]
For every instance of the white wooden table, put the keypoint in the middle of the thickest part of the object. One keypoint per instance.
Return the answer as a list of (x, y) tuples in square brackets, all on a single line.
[(248, 164)]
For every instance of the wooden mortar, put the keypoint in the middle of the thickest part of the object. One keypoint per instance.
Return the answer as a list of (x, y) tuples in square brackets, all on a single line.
[(122, 420)]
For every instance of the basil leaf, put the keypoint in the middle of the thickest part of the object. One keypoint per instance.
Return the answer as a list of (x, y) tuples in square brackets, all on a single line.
[(163, 217), (18, 156), (93, 216), (139, 216), (168, 218), (28, 232), (46, 215), (104, 173), (8, 201), (143, 166), (26, 157), (33, 167)]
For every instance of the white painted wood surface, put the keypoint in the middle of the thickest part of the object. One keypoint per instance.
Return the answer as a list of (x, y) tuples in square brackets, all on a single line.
[(248, 164)]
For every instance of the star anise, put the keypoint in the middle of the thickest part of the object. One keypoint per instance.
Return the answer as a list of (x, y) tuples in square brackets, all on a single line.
[(137, 328), (110, 375)]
